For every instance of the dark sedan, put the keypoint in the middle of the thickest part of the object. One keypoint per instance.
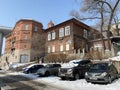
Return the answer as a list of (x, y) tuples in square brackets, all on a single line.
[(101, 73), (32, 68)]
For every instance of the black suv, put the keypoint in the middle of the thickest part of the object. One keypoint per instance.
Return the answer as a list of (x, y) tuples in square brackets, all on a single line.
[(76, 71)]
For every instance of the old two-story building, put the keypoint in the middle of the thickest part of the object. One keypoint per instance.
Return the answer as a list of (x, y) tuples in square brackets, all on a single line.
[(29, 41), (71, 36), (26, 42)]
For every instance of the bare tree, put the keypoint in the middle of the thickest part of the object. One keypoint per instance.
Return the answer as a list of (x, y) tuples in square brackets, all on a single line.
[(99, 10), (37, 44)]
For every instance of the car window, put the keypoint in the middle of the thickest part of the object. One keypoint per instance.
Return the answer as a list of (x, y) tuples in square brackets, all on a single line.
[(99, 66), (49, 66), (84, 62), (57, 65)]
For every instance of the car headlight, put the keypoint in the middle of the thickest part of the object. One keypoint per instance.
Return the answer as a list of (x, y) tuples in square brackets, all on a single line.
[(103, 74), (70, 71), (86, 74)]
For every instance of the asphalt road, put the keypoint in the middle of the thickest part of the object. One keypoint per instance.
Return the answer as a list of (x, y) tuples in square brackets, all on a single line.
[(18, 82)]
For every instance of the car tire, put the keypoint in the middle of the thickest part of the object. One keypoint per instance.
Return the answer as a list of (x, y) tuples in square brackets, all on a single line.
[(47, 73), (76, 76), (62, 78), (109, 80)]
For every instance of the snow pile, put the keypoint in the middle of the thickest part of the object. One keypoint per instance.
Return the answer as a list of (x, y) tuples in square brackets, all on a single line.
[(15, 65), (117, 58)]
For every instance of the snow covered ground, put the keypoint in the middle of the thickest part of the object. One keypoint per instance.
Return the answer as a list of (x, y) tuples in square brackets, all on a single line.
[(73, 85)]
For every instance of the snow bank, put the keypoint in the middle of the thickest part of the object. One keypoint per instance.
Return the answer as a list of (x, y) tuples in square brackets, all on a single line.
[(117, 58), (74, 85)]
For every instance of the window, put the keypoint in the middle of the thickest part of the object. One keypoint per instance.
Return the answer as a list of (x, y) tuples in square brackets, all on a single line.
[(48, 49), (61, 32), (53, 35), (67, 47), (26, 27), (53, 48), (18, 28), (67, 30), (49, 36), (94, 36), (61, 47), (24, 58), (25, 46), (36, 28), (85, 33), (25, 37)]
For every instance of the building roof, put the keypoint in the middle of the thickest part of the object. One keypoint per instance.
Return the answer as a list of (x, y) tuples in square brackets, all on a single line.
[(75, 21)]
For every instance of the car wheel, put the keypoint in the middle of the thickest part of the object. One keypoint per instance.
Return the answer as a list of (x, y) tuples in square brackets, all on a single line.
[(109, 80), (76, 76), (47, 73), (62, 78)]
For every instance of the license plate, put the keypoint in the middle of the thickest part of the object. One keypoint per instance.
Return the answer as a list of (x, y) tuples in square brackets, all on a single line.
[(62, 74), (94, 78)]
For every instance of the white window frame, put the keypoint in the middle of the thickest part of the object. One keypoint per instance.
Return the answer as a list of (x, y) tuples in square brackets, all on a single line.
[(67, 30), (61, 47), (26, 27), (53, 48), (36, 28), (53, 35), (49, 36), (85, 33), (49, 49), (25, 37), (67, 47), (61, 32)]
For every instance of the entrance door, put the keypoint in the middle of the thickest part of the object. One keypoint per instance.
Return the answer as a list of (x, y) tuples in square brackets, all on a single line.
[(23, 58)]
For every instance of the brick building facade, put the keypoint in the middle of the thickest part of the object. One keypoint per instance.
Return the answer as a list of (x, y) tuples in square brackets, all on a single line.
[(24, 43), (29, 41), (69, 37)]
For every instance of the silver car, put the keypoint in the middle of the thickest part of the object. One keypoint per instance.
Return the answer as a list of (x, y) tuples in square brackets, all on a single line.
[(49, 69), (101, 73)]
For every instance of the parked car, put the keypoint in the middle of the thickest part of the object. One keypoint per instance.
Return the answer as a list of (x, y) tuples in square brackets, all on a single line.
[(103, 72), (49, 69), (32, 68), (74, 69)]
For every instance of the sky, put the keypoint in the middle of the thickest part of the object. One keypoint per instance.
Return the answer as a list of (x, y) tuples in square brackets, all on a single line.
[(39, 10)]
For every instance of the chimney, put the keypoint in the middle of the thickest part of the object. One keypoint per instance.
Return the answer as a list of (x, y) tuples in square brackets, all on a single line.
[(50, 24)]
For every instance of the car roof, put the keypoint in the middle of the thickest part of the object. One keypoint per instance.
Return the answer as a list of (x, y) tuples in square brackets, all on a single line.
[(32, 65)]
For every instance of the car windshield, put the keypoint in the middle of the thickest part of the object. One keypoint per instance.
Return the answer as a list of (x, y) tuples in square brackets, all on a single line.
[(101, 66), (48, 65), (76, 62)]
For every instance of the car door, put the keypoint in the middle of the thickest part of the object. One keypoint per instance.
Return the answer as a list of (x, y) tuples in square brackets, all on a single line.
[(81, 68), (55, 69), (51, 69), (114, 71)]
